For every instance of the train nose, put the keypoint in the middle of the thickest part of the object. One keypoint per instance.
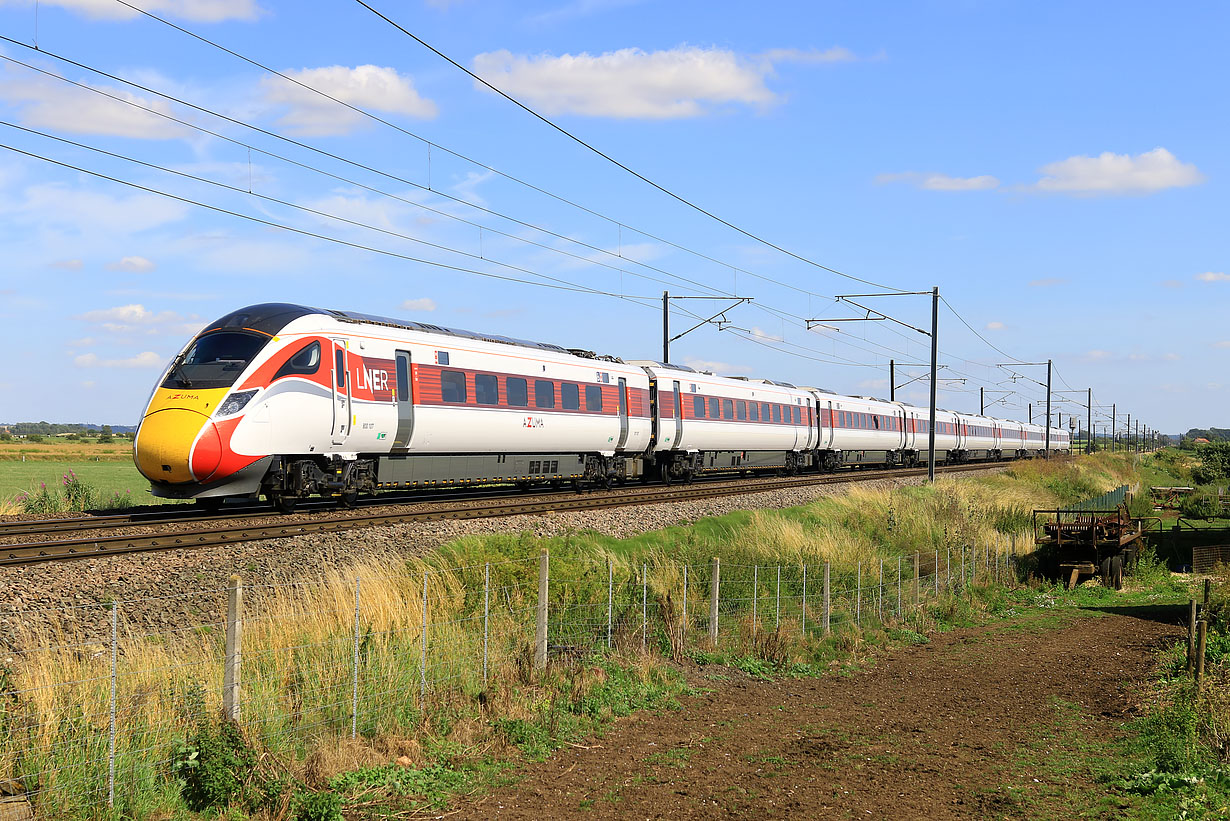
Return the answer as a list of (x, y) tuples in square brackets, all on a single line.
[(177, 446)]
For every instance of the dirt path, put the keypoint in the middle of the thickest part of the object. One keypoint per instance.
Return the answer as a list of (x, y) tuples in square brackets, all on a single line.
[(970, 725)]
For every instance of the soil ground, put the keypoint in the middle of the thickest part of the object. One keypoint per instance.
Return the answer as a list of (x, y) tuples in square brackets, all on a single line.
[(1000, 721)]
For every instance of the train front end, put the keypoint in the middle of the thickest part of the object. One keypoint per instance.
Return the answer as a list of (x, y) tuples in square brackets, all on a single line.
[(184, 443)]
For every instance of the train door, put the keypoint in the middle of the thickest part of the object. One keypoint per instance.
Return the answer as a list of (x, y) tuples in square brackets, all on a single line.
[(905, 428), (678, 417), (341, 393), (405, 402), (832, 425), (811, 426), (623, 413)]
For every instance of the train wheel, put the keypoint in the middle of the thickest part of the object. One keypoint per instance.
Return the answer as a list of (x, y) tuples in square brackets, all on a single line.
[(283, 504), (349, 498), (1116, 572), (211, 504)]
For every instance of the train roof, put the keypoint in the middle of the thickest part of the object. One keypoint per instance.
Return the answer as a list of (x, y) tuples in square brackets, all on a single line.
[(272, 317)]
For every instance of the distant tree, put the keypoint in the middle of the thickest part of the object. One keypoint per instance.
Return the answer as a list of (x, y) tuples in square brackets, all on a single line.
[(6, 437), (1214, 462), (71, 436), (34, 437), (105, 436)]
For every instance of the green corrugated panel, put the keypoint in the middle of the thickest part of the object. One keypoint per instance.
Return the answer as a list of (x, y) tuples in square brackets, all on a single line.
[(1107, 501)]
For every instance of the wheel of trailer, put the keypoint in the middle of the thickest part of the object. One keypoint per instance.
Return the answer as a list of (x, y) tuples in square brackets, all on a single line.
[(348, 498), (1116, 571), (665, 473), (523, 486), (576, 486), (1104, 567), (689, 476)]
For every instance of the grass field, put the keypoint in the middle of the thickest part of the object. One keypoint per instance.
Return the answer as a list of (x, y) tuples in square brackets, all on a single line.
[(66, 450)]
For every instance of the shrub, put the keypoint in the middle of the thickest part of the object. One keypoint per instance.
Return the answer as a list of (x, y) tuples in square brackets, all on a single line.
[(318, 806), (78, 494), (1199, 505), (1214, 462), (34, 437), (212, 764), (40, 501)]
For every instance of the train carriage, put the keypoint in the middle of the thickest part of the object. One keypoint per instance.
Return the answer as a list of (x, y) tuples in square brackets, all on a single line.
[(711, 424)]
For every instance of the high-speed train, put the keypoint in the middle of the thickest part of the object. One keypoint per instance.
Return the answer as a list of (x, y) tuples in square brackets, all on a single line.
[(290, 401)]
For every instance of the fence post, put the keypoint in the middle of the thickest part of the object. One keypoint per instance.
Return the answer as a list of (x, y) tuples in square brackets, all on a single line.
[(827, 614), (234, 649), (858, 594), (423, 650), (803, 610), (683, 637), (1202, 627), (898, 587), (486, 616), (354, 667), (917, 592), (964, 570), (880, 593), (644, 606), (610, 600), (755, 595), (948, 569), (115, 640), (714, 585), (540, 632), (778, 618), (1191, 636)]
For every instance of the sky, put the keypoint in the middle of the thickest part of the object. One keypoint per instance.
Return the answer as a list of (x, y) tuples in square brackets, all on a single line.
[(1059, 171)]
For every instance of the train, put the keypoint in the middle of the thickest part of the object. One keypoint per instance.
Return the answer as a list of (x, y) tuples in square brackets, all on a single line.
[(290, 402)]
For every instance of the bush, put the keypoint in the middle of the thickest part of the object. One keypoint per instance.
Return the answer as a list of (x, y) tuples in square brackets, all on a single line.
[(1214, 462), (1199, 505), (212, 765), (79, 495), (34, 437), (41, 501)]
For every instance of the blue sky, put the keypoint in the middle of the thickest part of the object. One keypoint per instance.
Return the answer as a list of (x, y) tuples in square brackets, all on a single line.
[(1058, 170)]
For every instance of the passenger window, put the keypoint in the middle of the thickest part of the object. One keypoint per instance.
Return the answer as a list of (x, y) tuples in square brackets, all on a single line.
[(486, 389), (797, 414), (544, 394), (754, 409), (517, 391), (453, 386), (875, 420), (570, 396), (714, 407), (728, 409), (593, 398), (741, 409), (698, 407), (306, 361), (340, 368), (777, 413)]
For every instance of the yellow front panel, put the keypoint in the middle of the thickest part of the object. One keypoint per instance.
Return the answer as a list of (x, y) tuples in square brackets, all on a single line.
[(172, 421)]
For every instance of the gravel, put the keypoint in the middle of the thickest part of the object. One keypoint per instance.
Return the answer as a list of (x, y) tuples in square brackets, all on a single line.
[(176, 589)]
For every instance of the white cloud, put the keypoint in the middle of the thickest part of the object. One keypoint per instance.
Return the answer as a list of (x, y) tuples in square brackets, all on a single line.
[(758, 333), (1098, 355), (715, 366), (941, 182), (1213, 276), (146, 359), (1110, 173), (198, 11), (55, 204), (423, 304), (1172, 283), (995, 326), (136, 318), (67, 264), (134, 265), (836, 54), (1047, 282), (1225, 343), (47, 103), (630, 83), (873, 384), (369, 87)]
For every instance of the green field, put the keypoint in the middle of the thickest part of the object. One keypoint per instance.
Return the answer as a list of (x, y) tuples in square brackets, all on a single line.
[(108, 478)]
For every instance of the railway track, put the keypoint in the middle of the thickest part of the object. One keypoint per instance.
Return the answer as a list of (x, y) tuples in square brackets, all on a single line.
[(232, 530)]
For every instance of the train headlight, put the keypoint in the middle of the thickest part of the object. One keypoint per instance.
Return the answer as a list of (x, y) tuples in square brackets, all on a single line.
[(235, 403)]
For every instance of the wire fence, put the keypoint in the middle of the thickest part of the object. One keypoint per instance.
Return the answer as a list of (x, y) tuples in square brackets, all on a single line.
[(97, 709)]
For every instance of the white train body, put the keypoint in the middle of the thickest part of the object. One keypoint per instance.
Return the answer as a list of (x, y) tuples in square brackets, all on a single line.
[(287, 400)]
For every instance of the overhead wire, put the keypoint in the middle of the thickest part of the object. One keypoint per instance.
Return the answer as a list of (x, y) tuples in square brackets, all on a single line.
[(609, 158)]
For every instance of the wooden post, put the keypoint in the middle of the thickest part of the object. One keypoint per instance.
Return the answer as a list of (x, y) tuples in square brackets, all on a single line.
[(1200, 652), (1208, 586), (234, 649), (1191, 636), (714, 584), (828, 612), (540, 634)]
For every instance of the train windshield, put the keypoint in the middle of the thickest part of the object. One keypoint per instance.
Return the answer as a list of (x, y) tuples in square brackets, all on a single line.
[(215, 360)]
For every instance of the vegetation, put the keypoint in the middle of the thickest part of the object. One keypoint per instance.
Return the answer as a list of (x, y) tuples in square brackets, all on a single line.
[(292, 749)]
